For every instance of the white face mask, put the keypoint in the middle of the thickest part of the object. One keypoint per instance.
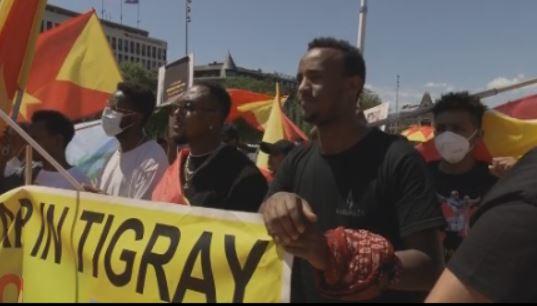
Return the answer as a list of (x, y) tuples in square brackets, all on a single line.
[(452, 147), (111, 122)]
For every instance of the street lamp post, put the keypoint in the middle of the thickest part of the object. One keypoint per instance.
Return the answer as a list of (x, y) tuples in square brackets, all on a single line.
[(187, 21), (362, 24)]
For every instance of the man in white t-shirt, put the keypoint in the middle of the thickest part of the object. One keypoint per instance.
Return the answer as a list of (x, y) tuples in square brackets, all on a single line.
[(139, 163), (53, 131)]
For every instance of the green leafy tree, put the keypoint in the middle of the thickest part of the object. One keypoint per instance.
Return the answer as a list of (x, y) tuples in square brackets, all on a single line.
[(136, 73), (255, 85), (369, 99)]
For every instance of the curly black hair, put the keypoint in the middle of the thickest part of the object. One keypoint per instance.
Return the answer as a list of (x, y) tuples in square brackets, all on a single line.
[(461, 101), (220, 94)]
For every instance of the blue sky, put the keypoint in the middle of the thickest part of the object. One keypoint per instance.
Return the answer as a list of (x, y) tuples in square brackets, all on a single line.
[(434, 45)]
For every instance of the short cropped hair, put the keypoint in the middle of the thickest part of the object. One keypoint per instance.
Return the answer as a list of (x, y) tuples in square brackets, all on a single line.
[(352, 57), (141, 99), (220, 95)]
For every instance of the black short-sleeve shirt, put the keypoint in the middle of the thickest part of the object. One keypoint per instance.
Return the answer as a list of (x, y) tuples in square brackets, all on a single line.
[(380, 184), (499, 257), (459, 195)]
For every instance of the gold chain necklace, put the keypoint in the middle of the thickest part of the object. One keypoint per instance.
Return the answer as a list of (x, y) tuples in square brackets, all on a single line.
[(189, 173)]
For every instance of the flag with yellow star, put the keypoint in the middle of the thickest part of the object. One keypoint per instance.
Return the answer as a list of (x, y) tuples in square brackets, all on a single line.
[(20, 22), (74, 70)]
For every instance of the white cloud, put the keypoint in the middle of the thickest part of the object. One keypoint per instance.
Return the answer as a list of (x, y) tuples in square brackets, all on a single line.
[(436, 85), (503, 81)]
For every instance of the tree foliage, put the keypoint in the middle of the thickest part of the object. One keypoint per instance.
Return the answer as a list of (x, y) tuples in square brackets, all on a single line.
[(136, 73), (369, 99), (255, 85)]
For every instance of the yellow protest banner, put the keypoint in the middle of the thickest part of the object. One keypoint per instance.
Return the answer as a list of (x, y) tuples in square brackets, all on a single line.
[(65, 246)]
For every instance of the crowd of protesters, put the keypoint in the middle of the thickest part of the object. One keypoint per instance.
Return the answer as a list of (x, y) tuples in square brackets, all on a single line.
[(365, 216)]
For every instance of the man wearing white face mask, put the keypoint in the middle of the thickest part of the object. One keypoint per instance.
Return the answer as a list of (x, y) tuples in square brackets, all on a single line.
[(460, 180), (139, 163)]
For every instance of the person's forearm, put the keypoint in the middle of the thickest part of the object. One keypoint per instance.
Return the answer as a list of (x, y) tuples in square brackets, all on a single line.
[(419, 272), (449, 289)]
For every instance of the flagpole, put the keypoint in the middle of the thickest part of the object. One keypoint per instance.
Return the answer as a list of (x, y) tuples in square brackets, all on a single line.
[(138, 12), (102, 9), (121, 13), (362, 24), (397, 105), (40, 150), (18, 102)]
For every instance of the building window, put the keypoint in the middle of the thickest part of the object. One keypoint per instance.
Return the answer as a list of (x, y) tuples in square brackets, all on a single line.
[(137, 48), (113, 43), (154, 52), (159, 53), (132, 47), (126, 46), (120, 44), (164, 55), (132, 59), (49, 25), (120, 58), (143, 50)]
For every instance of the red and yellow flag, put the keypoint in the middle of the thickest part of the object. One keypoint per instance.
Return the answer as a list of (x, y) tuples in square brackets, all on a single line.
[(241, 97), (74, 70), (278, 126), (510, 130), (251, 106), (20, 22)]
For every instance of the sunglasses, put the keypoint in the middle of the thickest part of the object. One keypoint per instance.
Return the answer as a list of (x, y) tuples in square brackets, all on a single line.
[(190, 107)]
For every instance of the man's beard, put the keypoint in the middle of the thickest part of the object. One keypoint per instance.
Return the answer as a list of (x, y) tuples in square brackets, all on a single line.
[(316, 120)]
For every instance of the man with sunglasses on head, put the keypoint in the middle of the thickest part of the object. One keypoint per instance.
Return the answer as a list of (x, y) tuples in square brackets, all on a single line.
[(139, 162), (208, 173)]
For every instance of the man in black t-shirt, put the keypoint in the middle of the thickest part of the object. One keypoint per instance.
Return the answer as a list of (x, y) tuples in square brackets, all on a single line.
[(373, 184), (460, 180), (208, 173), (496, 262)]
